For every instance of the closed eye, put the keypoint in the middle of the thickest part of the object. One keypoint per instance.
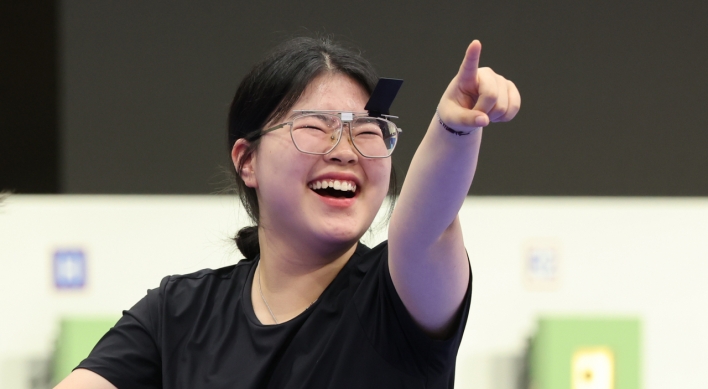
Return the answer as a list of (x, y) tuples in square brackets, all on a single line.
[(369, 133), (310, 127)]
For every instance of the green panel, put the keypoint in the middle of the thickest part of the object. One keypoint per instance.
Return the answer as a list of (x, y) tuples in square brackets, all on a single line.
[(77, 337), (558, 338)]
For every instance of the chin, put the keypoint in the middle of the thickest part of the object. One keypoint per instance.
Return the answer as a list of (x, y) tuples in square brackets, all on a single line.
[(347, 233)]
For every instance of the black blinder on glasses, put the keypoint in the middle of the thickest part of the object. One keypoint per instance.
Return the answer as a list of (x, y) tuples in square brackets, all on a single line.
[(382, 97)]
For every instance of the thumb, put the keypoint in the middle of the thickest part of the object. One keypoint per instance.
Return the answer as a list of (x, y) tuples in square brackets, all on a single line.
[(462, 119)]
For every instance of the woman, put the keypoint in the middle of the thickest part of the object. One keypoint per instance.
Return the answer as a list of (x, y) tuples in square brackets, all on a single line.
[(310, 306)]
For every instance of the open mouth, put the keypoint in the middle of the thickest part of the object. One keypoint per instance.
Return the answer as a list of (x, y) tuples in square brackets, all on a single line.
[(334, 188)]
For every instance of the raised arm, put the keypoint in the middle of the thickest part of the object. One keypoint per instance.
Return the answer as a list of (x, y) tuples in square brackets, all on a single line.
[(427, 257)]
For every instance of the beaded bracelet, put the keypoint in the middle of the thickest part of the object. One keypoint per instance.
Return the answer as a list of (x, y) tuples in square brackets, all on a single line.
[(445, 126)]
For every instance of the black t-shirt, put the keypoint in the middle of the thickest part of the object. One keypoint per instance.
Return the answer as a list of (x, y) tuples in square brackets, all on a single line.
[(200, 331)]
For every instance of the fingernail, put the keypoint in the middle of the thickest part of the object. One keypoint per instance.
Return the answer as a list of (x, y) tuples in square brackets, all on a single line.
[(480, 121)]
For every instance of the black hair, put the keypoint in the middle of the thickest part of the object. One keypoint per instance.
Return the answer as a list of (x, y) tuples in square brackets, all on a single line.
[(270, 90)]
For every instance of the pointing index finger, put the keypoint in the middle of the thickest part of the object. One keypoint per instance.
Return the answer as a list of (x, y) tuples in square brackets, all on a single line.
[(468, 69)]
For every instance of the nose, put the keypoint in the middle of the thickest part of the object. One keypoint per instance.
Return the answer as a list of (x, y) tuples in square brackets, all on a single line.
[(344, 152)]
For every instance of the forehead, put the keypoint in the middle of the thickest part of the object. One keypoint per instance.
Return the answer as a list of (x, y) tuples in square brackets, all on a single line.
[(333, 92)]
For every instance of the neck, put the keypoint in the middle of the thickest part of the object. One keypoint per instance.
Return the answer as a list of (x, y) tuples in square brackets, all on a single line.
[(292, 276)]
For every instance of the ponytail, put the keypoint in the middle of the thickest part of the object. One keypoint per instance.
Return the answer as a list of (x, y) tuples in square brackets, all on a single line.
[(247, 242)]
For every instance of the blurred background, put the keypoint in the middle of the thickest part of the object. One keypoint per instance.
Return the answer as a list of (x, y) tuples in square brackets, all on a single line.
[(587, 223)]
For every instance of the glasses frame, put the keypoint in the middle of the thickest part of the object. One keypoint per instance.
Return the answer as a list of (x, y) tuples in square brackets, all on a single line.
[(344, 117)]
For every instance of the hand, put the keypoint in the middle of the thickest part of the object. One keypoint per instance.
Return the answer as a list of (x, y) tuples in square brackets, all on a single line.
[(478, 96)]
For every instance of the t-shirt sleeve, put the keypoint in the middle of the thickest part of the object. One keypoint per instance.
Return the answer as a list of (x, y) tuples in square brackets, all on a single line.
[(399, 338), (128, 355)]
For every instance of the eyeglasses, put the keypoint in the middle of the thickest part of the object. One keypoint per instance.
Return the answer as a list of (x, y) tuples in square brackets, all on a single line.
[(319, 132)]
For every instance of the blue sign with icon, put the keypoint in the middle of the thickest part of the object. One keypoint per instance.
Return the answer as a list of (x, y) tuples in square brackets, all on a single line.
[(69, 269)]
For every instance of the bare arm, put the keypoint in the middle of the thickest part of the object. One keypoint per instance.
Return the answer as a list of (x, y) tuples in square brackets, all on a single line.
[(427, 258), (84, 379)]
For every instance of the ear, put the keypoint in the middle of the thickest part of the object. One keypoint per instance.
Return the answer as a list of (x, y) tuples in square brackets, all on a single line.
[(248, 172)]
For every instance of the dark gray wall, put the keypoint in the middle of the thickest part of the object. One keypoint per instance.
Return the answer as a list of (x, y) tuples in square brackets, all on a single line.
[(613, 92), (29, 130)]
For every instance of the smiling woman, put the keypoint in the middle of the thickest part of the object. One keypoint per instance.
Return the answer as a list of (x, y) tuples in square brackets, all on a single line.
[(268, 95), (310, 306)]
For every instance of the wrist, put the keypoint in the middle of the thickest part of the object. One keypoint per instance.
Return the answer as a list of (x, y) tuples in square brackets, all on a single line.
[(452, 130)]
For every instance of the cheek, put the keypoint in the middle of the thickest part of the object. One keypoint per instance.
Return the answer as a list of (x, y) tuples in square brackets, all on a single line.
[(277, 156), (282, 172), (271, 163), (379, 173)]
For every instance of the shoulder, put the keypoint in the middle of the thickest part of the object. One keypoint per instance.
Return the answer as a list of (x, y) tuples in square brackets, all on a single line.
[(367, 258), (206, 275), (205, 282)]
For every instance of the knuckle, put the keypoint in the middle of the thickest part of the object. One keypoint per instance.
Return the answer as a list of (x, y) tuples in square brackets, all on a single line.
[(497, 114), (506, 117), (512, 88), (515, 107), (511, 113), (486, 70), (502, 108), (491, 96)]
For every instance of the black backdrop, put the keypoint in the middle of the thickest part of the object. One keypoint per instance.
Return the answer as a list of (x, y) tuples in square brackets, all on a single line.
[(135, 94)]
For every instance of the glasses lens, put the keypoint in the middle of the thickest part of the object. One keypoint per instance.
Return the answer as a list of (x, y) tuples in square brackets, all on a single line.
[(374, 137), (316, 133)]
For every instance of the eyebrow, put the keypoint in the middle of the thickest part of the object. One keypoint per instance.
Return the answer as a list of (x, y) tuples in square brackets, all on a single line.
[(294, 113)]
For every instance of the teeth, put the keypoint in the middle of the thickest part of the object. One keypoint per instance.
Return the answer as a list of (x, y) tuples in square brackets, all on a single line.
[(334, 184)]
